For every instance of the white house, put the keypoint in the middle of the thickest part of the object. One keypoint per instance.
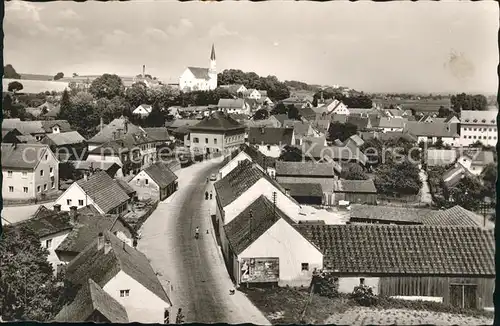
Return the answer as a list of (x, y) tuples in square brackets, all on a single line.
[(253, 94), (124, 273), (143, 110), (262, 236), (271, 141), (199, 79), (391, 124), (235, 89), (478, 126), (431, 132), (264, 163), (475, 161), (334, 106), (99, 190), (156, 182), (237, 106)]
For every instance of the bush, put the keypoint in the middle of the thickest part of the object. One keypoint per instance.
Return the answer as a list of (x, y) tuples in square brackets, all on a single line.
[(364, 295), (325, 285)]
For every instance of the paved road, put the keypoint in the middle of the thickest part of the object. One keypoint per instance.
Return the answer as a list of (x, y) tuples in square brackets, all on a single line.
[(198, 277), (425, 192)]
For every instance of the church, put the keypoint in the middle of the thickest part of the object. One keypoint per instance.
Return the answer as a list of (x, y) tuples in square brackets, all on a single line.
[(199, 79)]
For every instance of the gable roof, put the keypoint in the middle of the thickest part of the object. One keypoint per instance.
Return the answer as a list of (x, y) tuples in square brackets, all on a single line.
[(480, 157), (355, 186), (404, 249), (307, 113), (252, 223), (306, 169), (25, 127), (46, 222), (391, 123), (229, 103), (304, 189), (161, 174), (280, 117), (300, 128), (64, 138), (94, 264), (389, 213), (218, 121), (360, 122), (270, 136), (199, 73), (146, 107), (106, 134), (345, 153), (432, 129), (454, 175), (232, 88), (64, 125), (89, 222), (458, 216), (90, 298), (258, 157), (126, 187), (157, 133), (23, 156), (181, 123), (103, 190), (356, 140), (478, 117)]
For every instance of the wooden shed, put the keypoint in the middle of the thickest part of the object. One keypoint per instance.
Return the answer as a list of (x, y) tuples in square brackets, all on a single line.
[(449, 264), (355, 191)]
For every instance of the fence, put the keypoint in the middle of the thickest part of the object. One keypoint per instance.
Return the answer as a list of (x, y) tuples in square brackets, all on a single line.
[(145, 216)]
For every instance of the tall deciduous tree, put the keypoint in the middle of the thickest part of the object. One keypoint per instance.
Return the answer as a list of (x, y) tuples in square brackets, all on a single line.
[(10, 72), (464, 101), (341, 131), (107, 86), (279, 108), (293, 112), (261, 114), (15, 86), (468, 193), (353, 171), (291, 154), (58, 76), (398, 179), (81, 114)]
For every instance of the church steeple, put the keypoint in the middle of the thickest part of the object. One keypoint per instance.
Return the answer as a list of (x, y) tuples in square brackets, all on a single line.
[(212, 56)]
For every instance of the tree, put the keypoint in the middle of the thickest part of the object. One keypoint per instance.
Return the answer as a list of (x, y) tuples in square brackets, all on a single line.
[(67, 171), (81, 114), (58, 76), (156, 118), (489, 177), (15, 86), (467, 193), (396, 179), (279, 108), (464, 101), (341, 131), (353, 171), (75, 74), (137, 94), (29, 289), (10, 72), (291, 154), (261, 114), (107, 86), (293, 112), (444, 112)]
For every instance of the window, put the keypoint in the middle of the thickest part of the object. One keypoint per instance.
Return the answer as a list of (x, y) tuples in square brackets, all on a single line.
[(44, 187), (25, 174), (268, 147), (305, 266), (196, 140), (138, 181), (146, 181), (474, 137), (206, 140), (489, 129), (53, 185), (215, 140), (48, 243), (51, 170), (475, 129), (124, 293), (46, 157), (68, 202), (362, 281), (38, 189), (11, 189), (25, 190), (80, 202), (9, 174), (41, 173), (489, 137)]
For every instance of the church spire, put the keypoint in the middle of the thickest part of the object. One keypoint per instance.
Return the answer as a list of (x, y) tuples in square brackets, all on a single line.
[(212, 56)]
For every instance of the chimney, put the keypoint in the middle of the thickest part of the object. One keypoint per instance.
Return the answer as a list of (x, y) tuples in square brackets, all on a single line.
[(100, 241), (85, 176), (143, 71), (287, 192), (57, 208), (73, 214), (107, 246)]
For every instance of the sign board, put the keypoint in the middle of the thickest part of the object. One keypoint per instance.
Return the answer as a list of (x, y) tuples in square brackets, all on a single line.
[(259, 270)]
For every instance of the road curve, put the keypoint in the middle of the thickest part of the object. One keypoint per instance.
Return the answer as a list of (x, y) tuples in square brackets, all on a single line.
[(193, 270)]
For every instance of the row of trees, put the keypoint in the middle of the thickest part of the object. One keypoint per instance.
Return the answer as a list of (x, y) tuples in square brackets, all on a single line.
[(276, 90), (464, 101), (11, 73), (359, 101)]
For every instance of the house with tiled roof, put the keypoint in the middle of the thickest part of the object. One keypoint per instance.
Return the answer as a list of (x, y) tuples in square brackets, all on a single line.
[(38, 128), (355, 191), (99, 190), (271, 141), (10, 136), (448, 264), (386, 136), (323, 153), (237, 105), (262, 235), (361, 213), (92, 304), (281, 118), (475, 160), (234, 89), (387, 124), (453, 176), (200, 79), (478, 126), (431, 132), (143, 110), (297, 102), (305, 193), (217, 133), (155, 182), (332, 106), (124, 273), (67, 145), (252, 154), (301, 130), (88, 167), (29, 172), (355, 141), (307, 113), (457, 216)]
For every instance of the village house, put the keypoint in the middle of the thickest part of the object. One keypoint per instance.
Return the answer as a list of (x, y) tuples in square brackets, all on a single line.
[(236, 105), (29, 172), (246, 152), (305, 193), (297, 102), (380, 214), (200, 79), (324, 174), (262, 245), (217, 133), (235, 89), (155, 182), (478, 126), (362, 123), (38, 128), (270, 141), (476, 160), (354, 141), (270, 122), (301, 130), (448, 264), (454, 174), (281, 118), (332, 106), (67, 145), (10, 136), (320, 152), (386, 136), (391, 124), (307, 114), (355, 191), (124, 273), (431, 132), (142, 110), (100, 190)]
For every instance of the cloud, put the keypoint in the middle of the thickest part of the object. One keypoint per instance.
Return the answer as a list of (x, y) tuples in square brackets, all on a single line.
[(156, 34), (18, 15), (220, 30), (20, 10), (181, 29), (115, 38), (68, 14)]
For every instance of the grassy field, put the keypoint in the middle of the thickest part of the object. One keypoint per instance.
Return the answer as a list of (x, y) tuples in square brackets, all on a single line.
[(286, 305), (418, 105)]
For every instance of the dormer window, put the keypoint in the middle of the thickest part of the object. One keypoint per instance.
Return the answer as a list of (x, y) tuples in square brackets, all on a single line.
[(475, 120)]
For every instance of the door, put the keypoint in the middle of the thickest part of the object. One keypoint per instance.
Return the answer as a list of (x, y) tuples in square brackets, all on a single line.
[(470, 294), (463, 296), (455, 295)]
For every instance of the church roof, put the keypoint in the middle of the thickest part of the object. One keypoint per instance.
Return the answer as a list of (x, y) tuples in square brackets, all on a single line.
[(199, 73), (212, 55)]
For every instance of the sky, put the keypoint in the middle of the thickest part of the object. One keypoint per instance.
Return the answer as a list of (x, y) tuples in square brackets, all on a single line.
[(430, 47)]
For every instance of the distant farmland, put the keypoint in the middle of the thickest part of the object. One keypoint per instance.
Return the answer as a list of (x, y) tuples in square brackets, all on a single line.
[(419, 105), (36, 86)]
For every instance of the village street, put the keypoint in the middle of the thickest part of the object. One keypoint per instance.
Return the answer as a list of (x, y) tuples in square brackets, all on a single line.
[(199, 282), (425, 192)]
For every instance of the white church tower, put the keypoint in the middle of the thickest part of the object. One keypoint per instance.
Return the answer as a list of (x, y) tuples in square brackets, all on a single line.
[(212, 71)]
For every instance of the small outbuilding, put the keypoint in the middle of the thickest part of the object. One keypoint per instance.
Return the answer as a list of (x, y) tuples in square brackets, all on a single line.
[(157, 182)]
